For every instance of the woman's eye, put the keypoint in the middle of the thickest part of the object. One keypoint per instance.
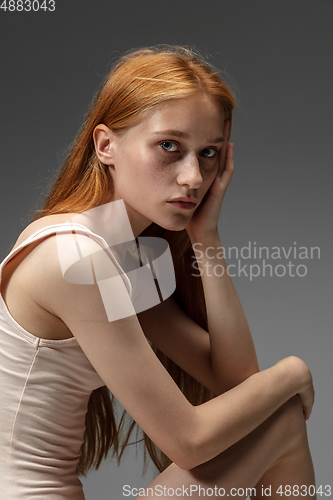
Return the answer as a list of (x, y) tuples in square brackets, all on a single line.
[(209, 152), (169, 146)]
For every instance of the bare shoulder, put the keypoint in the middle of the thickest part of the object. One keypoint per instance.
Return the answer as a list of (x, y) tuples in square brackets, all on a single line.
[(40, 224), (64, 269), (29, 279)]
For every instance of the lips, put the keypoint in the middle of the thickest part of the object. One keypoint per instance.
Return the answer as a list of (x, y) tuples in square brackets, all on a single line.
[(186, 203)]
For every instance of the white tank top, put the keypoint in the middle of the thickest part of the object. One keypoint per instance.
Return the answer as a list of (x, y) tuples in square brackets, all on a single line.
[(45, 388)]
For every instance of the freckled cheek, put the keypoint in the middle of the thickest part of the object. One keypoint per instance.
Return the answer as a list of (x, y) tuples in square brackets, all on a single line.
[(157, 171), (150, 170)]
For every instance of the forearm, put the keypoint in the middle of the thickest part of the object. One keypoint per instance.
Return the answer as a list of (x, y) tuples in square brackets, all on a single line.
[(233, 355), (226, 419)]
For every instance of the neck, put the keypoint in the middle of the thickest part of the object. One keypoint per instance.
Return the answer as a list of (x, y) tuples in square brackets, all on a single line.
[(110, 221), (137, 221)]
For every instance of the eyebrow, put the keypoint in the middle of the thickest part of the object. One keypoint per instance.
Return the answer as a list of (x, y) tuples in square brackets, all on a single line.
[(183, 135)]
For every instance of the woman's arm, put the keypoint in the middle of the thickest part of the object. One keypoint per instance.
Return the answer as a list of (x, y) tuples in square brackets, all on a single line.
[(233, 356), (123, 358)]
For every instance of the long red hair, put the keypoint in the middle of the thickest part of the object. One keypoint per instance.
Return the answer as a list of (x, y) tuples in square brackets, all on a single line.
[(138, 82)]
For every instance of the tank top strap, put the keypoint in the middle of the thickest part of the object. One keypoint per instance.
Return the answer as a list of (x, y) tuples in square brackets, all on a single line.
[(68, 227)]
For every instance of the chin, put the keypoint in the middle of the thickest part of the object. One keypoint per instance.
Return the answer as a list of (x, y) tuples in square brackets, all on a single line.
[(179, 225)]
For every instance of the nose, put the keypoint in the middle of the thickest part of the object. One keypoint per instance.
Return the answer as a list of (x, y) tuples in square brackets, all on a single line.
[(189, 173)]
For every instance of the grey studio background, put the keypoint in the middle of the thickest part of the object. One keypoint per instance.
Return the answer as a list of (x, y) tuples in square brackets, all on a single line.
[(279, 55)]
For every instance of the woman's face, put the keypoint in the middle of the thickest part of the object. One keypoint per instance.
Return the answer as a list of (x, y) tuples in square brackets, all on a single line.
[(163, 166)]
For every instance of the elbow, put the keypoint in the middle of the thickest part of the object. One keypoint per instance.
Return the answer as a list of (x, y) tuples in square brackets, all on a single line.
[(192, 451), (185, 465), (188, 459), (184, 454)]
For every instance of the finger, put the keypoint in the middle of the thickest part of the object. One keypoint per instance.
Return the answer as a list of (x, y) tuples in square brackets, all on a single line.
[(223, 150), (228, 172), (230, 156)]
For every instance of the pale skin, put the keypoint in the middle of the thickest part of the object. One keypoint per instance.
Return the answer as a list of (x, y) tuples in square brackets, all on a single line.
[(253, 432)]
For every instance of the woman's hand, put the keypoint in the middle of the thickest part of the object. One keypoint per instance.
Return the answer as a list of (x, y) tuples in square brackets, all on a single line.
[(204, 222)]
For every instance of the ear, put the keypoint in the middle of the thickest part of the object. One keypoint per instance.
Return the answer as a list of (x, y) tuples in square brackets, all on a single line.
[(103, 138)]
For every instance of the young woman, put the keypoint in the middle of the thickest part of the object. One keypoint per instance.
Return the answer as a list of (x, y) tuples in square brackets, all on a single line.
[(152, 159)]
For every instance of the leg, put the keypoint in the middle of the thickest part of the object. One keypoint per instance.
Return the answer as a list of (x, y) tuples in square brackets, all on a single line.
[(274, 453), (292, 475)]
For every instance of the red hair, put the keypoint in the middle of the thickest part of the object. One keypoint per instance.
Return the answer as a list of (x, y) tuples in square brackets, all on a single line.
[(138, 82)]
